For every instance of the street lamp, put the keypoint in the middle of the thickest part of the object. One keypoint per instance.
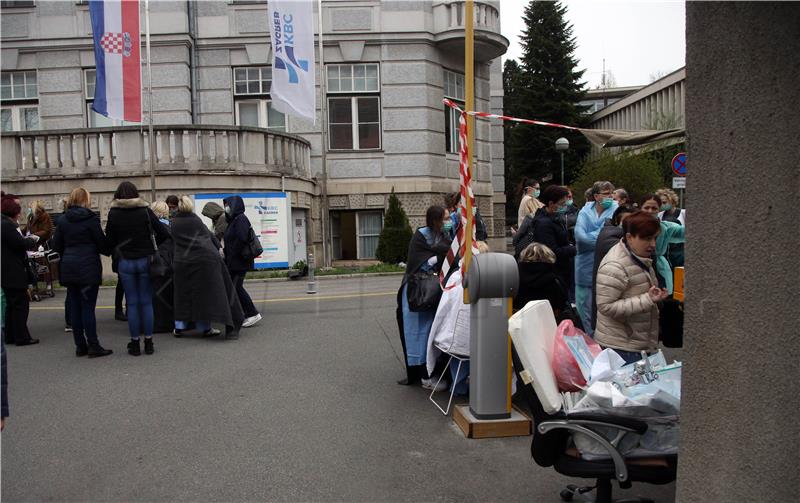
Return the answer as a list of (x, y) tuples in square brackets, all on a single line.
[(562, 144)]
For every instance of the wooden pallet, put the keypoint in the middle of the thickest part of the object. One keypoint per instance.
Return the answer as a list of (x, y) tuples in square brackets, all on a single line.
[(518, 425)]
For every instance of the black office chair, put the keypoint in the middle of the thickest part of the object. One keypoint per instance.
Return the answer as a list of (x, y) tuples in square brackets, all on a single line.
[(551, 447)]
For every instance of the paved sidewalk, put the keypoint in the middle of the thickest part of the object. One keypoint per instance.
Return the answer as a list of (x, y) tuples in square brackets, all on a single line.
[(303, 407)]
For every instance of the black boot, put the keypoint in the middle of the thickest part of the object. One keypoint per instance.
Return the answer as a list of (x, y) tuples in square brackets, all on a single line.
[(120, 316), (98, 351), (415, 373), (148, 346), (134, 348), (81, 351)]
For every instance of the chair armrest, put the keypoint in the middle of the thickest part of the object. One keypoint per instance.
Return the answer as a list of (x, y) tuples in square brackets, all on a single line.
[(599, 419), (620, 469)]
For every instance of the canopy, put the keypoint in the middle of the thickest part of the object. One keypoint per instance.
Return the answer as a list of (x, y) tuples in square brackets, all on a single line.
[(619, 138)]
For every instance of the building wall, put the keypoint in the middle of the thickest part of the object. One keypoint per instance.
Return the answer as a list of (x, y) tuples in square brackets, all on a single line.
[(54, 38), (739, 426)]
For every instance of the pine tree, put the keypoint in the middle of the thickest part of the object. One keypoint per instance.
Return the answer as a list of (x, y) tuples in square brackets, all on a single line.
[(545, 85), (396, 234)]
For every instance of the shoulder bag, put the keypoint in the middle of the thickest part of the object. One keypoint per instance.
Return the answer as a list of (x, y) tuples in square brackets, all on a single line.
[(423, 291), (157, 265), (254, 248)]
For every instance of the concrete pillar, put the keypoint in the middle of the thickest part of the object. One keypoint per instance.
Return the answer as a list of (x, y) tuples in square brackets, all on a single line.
[(739, 421)]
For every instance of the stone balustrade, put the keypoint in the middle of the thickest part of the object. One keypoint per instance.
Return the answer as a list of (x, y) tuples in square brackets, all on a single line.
[(486, 16), (449, 18), (124, 150)]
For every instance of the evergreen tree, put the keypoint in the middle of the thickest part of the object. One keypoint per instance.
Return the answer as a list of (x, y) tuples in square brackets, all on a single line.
[(396, 234), (545, 85)]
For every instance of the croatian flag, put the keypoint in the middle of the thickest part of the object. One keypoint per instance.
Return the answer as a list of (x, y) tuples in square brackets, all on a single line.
[(118, 85)]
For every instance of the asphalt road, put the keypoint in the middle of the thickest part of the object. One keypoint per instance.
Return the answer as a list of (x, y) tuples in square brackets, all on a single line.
[(303, 407)]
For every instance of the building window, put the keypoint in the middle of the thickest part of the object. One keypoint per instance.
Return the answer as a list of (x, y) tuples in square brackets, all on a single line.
[(259, 113), (16, 3), (354, 234), (94, 119), (19, 118), (18, 86), (251, 87), (354, 122), (453, 90)]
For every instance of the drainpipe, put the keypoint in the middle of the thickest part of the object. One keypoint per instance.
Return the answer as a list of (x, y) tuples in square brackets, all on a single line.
[(193, 59)]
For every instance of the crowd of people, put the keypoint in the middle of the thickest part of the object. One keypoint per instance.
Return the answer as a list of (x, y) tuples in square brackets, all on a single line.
[(171, 268), (606, 265)]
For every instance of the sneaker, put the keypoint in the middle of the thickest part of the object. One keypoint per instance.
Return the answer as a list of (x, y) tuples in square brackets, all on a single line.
[(431, 385), (177, 333), (134, 349), (148, 346), (211, 332), (68, 328), (249, 322)]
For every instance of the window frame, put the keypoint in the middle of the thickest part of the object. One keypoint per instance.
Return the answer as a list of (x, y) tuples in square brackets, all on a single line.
[(261, 79), (339, 66), (355, 146), (263, 114), (17, 115), (451, 128), (11, 86), (359, 214), (17, 4)]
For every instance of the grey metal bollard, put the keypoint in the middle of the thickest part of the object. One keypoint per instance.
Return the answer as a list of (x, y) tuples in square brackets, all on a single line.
[(492, 279), (312, 283)]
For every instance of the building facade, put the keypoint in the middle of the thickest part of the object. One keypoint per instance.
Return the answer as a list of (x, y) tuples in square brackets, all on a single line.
[(388, 64)]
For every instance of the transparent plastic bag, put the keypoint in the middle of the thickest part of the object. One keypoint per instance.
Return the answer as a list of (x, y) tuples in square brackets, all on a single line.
[(573, 354)]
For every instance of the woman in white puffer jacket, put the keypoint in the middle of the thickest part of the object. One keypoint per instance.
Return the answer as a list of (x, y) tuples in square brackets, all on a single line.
[(628, 292)]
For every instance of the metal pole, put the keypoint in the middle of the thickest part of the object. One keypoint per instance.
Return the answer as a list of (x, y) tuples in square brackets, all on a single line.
[(323, 89), (562, 168), (469, 76), (150, 140)]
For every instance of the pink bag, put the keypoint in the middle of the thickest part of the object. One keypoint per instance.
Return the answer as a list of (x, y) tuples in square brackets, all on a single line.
[(573, 354)]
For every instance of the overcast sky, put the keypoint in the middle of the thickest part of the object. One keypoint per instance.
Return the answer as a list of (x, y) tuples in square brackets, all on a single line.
[(637, 38)]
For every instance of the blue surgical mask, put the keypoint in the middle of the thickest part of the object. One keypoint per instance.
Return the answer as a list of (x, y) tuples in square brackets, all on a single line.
[(447, 226), (666, 207), (536, 193), (570, 202), (561, 209), (607, 202)]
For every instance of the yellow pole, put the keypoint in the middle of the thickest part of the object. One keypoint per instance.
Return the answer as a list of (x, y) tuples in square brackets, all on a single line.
[(469, 77)]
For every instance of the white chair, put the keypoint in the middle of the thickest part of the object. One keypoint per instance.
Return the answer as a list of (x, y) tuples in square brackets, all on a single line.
[(461, 359)]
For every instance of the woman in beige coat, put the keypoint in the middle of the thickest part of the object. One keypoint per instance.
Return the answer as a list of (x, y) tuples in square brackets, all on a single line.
[(628, 292)]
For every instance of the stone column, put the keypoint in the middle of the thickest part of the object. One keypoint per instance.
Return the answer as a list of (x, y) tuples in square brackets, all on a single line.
[(739, 420)]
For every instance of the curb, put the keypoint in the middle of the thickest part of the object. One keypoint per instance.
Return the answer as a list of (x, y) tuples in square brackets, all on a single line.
[(303, 279)]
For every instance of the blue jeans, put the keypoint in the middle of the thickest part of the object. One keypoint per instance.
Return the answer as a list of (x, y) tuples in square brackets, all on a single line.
[(583, 303), (629, 356), (203, 326), (82, 300), (135, 276)]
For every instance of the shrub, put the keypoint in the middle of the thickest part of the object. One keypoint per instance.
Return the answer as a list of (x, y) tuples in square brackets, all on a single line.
[(396, 234), (638, 174)]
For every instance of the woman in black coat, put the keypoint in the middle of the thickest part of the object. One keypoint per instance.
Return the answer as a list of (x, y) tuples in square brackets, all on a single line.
[(549, 230), (204, 292), (538, 279), (15, 273), (134, 233), (80, 241), (237, 254)]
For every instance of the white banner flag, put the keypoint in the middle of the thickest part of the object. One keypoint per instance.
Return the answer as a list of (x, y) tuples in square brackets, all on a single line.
[(292, 31)]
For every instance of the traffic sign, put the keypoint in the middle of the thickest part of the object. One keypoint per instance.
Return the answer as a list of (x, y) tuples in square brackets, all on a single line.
[(678, 182), (679, 164)]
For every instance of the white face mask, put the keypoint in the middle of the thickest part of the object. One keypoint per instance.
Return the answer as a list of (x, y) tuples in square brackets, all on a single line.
[(227, 210)]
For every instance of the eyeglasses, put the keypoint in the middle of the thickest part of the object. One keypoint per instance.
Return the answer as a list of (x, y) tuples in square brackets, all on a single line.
[(607, 194)]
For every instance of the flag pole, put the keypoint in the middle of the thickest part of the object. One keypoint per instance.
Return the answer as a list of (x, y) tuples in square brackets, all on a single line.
[(323, 86), (150, 139), (469, 76)]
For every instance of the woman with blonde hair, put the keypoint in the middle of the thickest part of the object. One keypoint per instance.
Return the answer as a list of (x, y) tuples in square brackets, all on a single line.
[(538, 279), (163, 291), (204, 291), (80, 241)]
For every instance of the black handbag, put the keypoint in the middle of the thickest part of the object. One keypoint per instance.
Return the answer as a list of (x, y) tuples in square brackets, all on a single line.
[(254, 245), (670, 323), (158, 267), (423, 291)]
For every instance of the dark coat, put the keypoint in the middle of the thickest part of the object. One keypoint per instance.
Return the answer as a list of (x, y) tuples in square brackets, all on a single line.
[(163, 317), (80, 241), (203, 288), (237, 237), (217, 215), (550, 231), (4, 381), (419, 251), (14, 260), (609, 236), (127, 230), (538, 281), (570, 218)]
